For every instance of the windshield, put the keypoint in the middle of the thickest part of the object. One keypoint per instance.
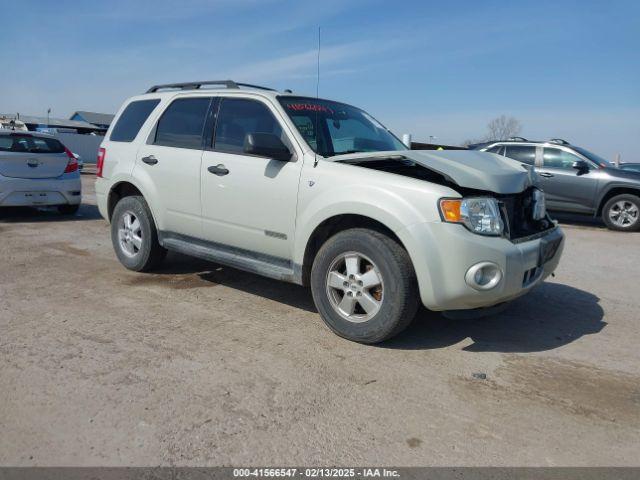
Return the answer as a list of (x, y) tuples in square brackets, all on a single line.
[(603, 162), (332, 128)]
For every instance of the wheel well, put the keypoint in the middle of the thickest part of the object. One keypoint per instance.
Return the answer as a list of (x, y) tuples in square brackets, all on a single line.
[(613, 192), (118, 192), (334, 225)]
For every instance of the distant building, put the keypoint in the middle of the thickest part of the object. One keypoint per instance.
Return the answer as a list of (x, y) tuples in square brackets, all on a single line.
[(81, 137), (102, 120), (34, 123)]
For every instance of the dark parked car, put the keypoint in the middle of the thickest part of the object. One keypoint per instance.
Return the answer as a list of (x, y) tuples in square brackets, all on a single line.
[(577, 180)]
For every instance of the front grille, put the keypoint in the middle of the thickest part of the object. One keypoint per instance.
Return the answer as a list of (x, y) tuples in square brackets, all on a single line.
[(517, 214)]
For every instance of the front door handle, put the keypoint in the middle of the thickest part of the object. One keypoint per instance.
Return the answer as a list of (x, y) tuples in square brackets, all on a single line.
[(150, 160), (219, 170), (545, 174)]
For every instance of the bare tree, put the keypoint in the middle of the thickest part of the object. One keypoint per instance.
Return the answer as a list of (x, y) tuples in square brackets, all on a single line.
[(502, 127), (471, 141)]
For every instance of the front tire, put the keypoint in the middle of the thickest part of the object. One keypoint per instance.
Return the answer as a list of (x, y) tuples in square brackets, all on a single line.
[(364, 286), (622, 213), (134, 235)]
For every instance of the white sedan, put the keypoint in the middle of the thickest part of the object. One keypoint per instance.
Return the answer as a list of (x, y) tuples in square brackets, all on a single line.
[(37, 170)]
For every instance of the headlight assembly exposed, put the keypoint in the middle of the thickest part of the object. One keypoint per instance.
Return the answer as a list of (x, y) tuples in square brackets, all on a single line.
[(539, 204), (480, 215)]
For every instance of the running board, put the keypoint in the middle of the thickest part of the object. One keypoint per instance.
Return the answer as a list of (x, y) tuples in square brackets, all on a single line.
[(262, 264)]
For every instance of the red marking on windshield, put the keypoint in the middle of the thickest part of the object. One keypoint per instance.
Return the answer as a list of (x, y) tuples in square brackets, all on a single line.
[(311, 107)]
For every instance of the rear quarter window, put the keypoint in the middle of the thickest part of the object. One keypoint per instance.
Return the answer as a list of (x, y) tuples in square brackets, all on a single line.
[(132, 119)]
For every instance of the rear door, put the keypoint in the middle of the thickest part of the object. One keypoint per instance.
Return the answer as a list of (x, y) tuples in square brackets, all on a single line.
[(23, 155), (565, 187), (170, 161)]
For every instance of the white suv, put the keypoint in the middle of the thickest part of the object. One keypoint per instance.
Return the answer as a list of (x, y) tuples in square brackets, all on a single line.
[(319, 193)]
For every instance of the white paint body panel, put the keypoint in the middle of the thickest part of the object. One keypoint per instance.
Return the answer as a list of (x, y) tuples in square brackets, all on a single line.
[(291, 199)]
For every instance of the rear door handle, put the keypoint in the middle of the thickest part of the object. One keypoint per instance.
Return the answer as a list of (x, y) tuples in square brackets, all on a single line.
[(219, 170), (150, 160), (545, 174)]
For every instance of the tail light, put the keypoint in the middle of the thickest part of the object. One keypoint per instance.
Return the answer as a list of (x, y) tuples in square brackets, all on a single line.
[(72, 165), (100, 162)]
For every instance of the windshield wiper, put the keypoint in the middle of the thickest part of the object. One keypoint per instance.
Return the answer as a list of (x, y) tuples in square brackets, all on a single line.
[(347, 152)]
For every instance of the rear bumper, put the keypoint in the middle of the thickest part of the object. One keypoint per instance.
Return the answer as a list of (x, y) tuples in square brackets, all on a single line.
[(30, 192), (102, 188), (443, 253)]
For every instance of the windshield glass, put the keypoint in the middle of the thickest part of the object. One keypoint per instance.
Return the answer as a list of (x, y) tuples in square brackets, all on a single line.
[(332, 128), (603, 162)]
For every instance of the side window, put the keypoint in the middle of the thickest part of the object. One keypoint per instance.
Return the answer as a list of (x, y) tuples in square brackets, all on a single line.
[(182, 123), (132, 119), (238, 117), (556, 158), (499, 149), (522, 153)]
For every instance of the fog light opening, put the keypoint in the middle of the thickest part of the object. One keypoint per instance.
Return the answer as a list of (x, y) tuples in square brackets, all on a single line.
[(483, 276)]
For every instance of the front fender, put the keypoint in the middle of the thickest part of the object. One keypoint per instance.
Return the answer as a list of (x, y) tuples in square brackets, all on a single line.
[(610, 187), (373, 202)]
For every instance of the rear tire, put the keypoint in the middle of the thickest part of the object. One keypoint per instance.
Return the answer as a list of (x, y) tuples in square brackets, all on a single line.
[(364, 286), (134, 235), (622, 213), (68, 209)]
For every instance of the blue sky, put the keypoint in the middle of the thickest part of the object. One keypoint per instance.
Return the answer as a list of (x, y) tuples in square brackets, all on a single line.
[(567, 69)]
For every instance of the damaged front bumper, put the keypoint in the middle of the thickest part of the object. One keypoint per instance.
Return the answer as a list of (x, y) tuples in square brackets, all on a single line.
[(444, 254)]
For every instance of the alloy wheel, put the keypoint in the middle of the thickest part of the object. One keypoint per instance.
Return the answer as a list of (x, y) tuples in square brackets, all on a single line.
[(355, 287), (624, 213), (130, 234)]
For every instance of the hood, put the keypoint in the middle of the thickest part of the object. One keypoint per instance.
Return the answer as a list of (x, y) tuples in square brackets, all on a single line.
[(466, 168), (631, 176)]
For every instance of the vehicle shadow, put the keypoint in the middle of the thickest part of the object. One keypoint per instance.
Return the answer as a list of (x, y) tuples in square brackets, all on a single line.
[(548, 317), (46, 214), (290, 294)]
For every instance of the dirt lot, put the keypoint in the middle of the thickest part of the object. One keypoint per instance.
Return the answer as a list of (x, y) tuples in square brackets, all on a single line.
[(203, 365)]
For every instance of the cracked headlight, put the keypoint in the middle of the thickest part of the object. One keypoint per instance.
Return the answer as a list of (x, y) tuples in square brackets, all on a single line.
[(480, 215)]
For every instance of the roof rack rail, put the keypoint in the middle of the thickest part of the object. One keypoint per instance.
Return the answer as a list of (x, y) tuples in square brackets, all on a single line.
[(197, 85), (517, 139), (559, 141)]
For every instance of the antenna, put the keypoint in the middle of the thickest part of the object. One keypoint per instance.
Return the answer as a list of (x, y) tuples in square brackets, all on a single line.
[(315, 162), (318, 70)]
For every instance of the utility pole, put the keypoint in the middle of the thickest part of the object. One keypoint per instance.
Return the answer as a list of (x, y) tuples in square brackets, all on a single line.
[(48, 112)]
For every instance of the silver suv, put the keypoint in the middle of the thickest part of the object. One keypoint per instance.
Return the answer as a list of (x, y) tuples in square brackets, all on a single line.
[(319, 193), (578, 181)]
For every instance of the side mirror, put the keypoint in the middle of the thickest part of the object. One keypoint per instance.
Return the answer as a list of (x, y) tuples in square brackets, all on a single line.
[(581, 166), (266, 145)]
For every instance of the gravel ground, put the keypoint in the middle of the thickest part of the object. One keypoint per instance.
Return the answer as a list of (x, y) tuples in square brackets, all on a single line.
[(199, 364)]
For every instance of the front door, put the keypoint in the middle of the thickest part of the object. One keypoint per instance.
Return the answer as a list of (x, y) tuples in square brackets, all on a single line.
[(565, 188), (248, 202)]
